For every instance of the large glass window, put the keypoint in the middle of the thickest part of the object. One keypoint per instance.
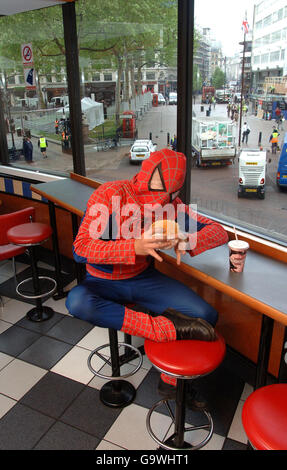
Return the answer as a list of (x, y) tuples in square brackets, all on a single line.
[(220, 158), (128, 68), (33, 85), (130, 49)]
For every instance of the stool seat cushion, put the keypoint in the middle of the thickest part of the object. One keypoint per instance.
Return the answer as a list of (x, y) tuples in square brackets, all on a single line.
[(186, 357), (264, 417), (29, 234)]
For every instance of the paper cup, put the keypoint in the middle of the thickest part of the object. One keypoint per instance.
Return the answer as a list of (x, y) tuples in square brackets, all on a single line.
[(237, 255)]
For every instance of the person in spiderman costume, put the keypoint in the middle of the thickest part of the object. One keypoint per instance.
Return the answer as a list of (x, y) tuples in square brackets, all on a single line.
[(120, 269)]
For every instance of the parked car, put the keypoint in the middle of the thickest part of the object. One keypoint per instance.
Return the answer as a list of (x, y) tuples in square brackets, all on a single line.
[(172, 99), (141, 150)]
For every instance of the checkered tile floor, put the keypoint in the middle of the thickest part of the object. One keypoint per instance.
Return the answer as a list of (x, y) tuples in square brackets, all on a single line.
[(49, 399)]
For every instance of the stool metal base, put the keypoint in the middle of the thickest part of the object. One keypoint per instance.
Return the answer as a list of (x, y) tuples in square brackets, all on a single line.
[(170, 443), (40, 314), (96, 352), (117, 393)]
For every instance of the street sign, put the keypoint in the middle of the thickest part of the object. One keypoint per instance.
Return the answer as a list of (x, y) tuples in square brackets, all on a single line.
[(27, 54), (29, 78)]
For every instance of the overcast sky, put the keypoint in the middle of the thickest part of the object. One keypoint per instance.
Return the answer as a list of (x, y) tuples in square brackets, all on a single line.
[(225, 17)]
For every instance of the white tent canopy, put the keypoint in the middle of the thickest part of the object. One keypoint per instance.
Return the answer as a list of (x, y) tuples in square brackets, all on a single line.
[(93, 111)]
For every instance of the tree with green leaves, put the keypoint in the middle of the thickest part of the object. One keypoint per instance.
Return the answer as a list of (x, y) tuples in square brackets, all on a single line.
[(120, 35), (218, 79)]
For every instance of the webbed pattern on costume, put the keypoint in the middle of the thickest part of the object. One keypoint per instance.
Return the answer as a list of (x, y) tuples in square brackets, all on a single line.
[(109, 254)]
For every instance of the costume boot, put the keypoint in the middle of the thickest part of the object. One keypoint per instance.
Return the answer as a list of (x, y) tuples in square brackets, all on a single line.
[(190, 328), (169, 326), (159, 329)]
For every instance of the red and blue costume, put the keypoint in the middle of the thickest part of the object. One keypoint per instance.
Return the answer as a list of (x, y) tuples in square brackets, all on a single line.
[(116, 276)]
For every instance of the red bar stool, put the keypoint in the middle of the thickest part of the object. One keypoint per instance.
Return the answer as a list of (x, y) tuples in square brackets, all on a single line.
[(184, 360), (264, 417), (29, 236), (117, 393)]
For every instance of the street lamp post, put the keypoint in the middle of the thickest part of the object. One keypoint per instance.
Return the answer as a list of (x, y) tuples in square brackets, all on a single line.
[(242, 89)]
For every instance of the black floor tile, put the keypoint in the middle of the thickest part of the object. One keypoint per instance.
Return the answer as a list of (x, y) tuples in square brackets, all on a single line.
[(45, 352), (15, 340), (64, 437), (40, 327), (52, 394), (70, 329), (88, 414), (7, 288), (21, 428), (147, 394), (222, 390), (230, 444)]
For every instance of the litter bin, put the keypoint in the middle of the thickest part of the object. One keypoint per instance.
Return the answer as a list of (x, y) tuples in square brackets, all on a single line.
[(202, 109), (207, 112), (27, 133), (19, 131)]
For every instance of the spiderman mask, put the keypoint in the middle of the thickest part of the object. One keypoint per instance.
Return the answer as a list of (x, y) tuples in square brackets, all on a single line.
[(160, 178)]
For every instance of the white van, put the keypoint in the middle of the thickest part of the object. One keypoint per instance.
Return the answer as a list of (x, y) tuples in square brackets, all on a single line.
[(172, 99), (252, 173)]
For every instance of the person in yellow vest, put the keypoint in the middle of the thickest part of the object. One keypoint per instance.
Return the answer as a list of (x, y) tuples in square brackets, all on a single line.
[(274, 139), (57, 126), (43, 144)]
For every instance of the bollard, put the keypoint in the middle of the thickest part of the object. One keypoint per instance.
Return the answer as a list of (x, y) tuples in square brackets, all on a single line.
[(168, 138), (150, 136), (260, 139)]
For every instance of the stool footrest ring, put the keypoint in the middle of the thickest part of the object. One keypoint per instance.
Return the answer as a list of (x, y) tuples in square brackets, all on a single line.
[(107, 361), (168, 444), (46, 278)]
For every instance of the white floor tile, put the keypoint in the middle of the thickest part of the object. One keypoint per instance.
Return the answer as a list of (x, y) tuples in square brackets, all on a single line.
[(6, 404), (95, 338), (18, 377), (7, 271), (74, 365), (105, 445), (248, 389), (4, 326), (5, 359), (129, 430), (57, 305), (14, 310), (236, 430)]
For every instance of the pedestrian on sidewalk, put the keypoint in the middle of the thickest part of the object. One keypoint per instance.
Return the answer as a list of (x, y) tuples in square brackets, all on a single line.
[(28, 150), (43, 144), (245, 132)]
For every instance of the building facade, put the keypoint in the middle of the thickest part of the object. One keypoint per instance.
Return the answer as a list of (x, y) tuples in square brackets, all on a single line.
[(269, 56)]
